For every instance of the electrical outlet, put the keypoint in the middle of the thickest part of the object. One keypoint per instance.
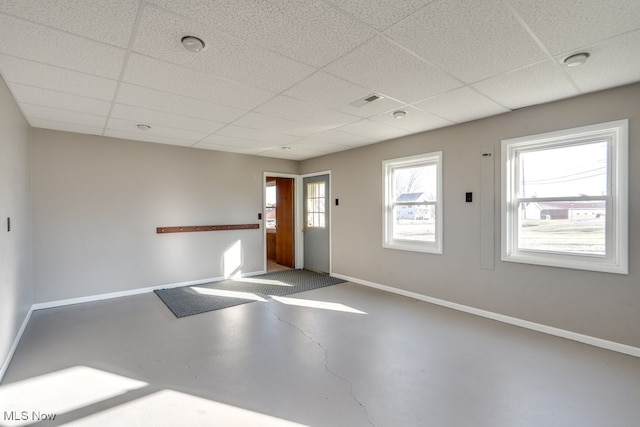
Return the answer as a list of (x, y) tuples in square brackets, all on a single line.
[(469, 197)]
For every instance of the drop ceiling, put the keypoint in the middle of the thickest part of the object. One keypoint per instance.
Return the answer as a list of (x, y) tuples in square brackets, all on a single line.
[(284, 73)]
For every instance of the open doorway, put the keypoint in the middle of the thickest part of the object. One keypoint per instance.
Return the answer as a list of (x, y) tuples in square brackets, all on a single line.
[(279, 223)]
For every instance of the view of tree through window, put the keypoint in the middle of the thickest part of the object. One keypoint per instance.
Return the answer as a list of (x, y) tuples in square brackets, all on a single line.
[(412, 203), (415, 195)]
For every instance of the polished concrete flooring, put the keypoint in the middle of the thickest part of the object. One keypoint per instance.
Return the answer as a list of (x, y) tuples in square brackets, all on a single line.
[(343, 355)]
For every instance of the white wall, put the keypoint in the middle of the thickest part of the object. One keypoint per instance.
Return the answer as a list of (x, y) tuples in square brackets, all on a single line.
[(15, 246), (98, 201), (602, 305)]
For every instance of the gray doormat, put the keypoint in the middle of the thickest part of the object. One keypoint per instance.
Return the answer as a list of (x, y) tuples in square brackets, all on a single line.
[(196, 299)]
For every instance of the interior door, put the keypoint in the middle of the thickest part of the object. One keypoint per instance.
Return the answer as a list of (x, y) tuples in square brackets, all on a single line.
[(316, 223), (284, 222)]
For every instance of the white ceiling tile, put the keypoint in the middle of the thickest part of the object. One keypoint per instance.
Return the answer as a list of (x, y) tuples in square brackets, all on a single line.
[(226, 56), (612, 63), (31, 73), (566, 25), (155, 74), (304, 112), (228, 149), (257, 135), (461, 105), (296, 153), (55, 99), (340, 138), (414, 121), (106, 21), (374, 130), (30, 41), (230, 141), (158, 118), (321, 147), (147, 138), (537, 84), (277, 124), (380, 14), (470, 39), (156, 130), (66, 127), (56, 115), (176, 104), (342, 94), (392, 71), (306, 30)]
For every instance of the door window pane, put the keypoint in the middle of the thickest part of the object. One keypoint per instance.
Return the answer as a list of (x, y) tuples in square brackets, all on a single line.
[(316, 204)]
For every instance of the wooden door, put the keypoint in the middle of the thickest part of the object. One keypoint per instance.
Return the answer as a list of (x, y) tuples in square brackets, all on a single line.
[(284, 222)]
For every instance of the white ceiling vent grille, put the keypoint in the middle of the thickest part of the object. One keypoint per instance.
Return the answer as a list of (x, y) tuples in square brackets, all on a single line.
[(366, 100)]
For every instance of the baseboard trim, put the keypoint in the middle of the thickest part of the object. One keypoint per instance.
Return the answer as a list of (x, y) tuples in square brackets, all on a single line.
[(14, 346), (100, 297), (586, 339)]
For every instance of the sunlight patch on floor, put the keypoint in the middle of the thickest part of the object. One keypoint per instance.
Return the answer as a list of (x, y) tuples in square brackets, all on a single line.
[(176, 409), (59, 392), (317, 304), (228, 294), (261, 281)]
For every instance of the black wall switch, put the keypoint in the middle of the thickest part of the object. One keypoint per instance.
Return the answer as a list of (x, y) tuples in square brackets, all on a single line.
[(337, 202), (469, 197), (259, 216)]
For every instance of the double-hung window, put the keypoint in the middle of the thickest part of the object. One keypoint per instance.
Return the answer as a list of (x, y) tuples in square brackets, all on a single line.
[(564, 198), (413, 203)]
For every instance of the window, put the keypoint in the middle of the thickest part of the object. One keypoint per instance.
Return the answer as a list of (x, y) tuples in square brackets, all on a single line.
[(271, 206), (413, 203), (565, 198), (315, 205)]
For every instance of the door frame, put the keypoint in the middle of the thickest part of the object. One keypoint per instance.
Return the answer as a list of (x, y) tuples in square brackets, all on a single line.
[(298, 203), (297, 217)]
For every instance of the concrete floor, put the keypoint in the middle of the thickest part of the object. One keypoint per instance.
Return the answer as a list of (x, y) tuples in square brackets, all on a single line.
[(343, 355)]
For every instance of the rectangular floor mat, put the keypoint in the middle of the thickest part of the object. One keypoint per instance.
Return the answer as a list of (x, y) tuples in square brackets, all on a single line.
[(195, 299)]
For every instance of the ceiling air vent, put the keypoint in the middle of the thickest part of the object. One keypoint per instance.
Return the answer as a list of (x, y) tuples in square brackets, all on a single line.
[(366, 100)]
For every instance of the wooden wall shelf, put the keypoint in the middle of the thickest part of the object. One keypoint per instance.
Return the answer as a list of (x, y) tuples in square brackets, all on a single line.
[(191, 228)]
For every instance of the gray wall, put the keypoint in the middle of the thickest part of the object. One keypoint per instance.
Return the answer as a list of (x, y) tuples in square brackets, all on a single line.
[(98, 201), (597, 304), (15, 247)]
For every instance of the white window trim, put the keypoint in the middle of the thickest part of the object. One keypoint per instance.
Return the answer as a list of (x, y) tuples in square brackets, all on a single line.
[(616, 258), (387, 209)]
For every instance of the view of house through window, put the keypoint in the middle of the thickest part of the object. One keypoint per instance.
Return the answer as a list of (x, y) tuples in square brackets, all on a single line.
[(415, 196), (412, 201), (316, 204)]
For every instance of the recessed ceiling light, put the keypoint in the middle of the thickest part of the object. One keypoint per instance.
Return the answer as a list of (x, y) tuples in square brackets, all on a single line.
[(399, 114), (286, 148), (576, 60), (143, 126), (192, 43)]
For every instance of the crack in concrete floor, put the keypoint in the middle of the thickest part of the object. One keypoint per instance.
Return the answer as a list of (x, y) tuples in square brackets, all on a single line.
[(326, 361)]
